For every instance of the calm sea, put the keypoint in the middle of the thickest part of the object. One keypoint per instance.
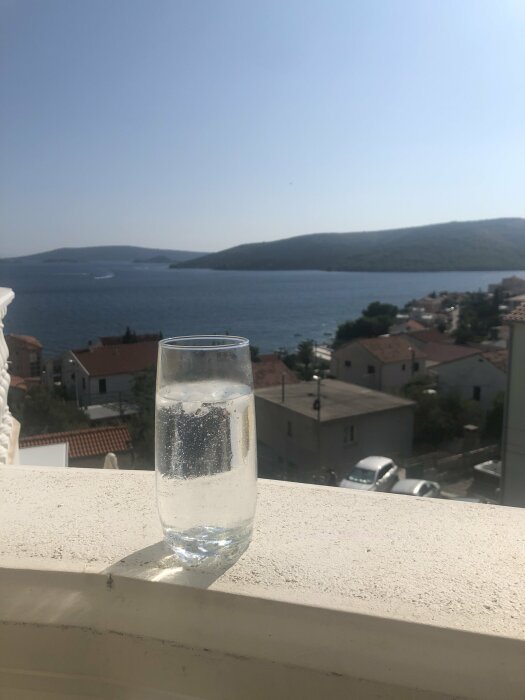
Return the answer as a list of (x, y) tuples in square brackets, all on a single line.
[(67, 304)]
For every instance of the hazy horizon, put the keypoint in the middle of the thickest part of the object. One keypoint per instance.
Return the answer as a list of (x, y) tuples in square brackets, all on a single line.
[(204, 126), (308, 233)]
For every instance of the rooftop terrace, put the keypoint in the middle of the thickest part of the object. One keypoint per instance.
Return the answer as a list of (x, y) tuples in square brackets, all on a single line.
[(338, 399)]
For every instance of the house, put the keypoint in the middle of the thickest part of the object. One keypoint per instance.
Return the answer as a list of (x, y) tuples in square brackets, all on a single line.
[(502, 336), (438, 353), (429, 335), (515, 301), (88, 447), (328, 425), (105, 373), (25, 355), (270, 370), (513, 445), (386, 363), (17, 391), (406, 325), (509, 285), (477, 377), (430, 304)]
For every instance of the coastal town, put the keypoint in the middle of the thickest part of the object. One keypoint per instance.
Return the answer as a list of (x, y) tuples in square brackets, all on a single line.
[(423, 386)]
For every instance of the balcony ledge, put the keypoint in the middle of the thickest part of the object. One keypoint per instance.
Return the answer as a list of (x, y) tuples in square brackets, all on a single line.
[(340, 595)]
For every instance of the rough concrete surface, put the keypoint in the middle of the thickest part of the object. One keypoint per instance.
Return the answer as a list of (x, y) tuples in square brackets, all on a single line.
[(436, 562)]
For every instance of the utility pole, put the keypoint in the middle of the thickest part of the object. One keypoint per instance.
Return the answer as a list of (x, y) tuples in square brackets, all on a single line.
[(317, 404)]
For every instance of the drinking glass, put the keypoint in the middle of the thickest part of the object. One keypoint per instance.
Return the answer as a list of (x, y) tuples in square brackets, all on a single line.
[(205, 447)]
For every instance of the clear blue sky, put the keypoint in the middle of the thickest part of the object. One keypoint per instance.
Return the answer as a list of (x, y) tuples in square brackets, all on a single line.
[(204, 124)]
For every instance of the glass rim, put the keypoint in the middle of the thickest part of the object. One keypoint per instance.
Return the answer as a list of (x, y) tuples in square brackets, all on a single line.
[(176, 343)]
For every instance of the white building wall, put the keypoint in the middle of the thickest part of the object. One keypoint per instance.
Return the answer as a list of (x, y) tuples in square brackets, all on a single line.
[(117, 384), (86, 389), (469, 372), (72, 373), (306, 448), (395, 375), (350, 364)]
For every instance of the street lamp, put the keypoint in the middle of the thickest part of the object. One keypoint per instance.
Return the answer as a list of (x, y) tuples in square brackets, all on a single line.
[(317, 407), (317, 402), (72, 362)]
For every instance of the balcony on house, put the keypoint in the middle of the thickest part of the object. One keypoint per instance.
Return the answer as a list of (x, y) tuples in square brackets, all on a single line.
[(340, 595)]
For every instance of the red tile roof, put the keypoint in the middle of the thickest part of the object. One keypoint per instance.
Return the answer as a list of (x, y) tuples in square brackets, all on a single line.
[(17, 383), (412, 325), (443, 352), (25, 339), (107, 360), (517, 316), (391, 348), (431, 335), (499, 358), (90, 442), (269, 370)]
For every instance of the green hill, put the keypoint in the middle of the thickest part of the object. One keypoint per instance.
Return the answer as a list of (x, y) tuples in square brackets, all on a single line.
[(495, 244), (110, 253)]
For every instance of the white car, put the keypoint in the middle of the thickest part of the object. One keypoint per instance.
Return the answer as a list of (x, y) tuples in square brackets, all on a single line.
[(417, 487), (372, 474)]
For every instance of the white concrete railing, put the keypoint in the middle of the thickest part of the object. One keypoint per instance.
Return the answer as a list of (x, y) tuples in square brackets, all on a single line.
[(7, 424), (340, 595)]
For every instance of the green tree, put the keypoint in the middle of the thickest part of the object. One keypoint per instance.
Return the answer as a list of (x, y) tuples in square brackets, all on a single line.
[(45, 410), (439, 417), (376, 320), (305, 359), (478, 315), (290, 360), (129, 336), (142, 423), (378, 308), (363, 327)]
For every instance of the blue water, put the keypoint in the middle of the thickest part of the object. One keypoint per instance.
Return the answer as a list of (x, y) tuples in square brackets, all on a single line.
[(67, 304)]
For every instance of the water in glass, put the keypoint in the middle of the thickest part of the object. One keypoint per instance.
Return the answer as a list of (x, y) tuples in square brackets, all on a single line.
[(206, 468)]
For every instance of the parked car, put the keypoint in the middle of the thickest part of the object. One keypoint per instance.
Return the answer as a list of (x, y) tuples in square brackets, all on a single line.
[(372, 474), (417, 487)]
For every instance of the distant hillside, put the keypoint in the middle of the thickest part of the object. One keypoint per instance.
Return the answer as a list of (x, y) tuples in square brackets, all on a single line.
[(496, 244), (110, 253)]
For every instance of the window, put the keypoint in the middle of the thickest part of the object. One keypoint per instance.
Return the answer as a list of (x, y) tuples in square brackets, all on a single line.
[(34, 369), (83, 382), (289, 428), (403, 367), (424, 489), (102, 386), (370, 369), (415, 367), (348, 363), (383, 471), (348, 434), (476, 393)]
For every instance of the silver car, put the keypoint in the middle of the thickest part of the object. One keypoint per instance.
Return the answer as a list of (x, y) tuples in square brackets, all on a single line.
[(417, 487), (372, 474)]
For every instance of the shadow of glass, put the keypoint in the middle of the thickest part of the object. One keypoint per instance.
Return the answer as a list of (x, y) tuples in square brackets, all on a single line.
[(158, 563)]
